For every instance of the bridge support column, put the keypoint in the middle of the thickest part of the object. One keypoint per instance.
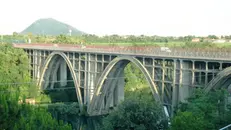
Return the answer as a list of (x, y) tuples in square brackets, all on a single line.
[(206, 72), (54, 74), (174, 88), (91, 70), (119, 90), (63, 74), (35, 65), (54, 79), (112, 96), (193, 73), (185, 80)]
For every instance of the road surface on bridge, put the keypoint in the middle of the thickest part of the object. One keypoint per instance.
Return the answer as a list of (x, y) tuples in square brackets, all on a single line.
[(190, 53)]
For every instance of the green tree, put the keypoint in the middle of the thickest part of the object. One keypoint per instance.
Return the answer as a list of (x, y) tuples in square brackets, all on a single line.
[(135, 114), (211, 110), (188, 121), (14, 114)]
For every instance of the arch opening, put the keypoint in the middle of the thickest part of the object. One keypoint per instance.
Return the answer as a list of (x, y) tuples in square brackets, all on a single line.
[(222, 80), (106, 87), (58, 63)]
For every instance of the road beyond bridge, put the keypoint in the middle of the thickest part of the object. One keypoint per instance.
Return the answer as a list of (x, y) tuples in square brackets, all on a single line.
[(96, 71)]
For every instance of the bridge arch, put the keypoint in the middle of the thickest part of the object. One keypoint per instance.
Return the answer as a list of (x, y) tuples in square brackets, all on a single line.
[(221, 77), (49, 59), (101, 91)]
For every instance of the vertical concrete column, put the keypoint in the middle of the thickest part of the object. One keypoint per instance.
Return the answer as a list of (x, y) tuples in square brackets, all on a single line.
[(153, 69), (119, 90), (79, 70), (220, 67), (54, 79), (206, 72), (63, 74), (174, 88), (112, 86), (90, 78), (85, 79), (96, 70), (213, 72), (185, 85), (163, 80), (193, 73), (54, 74), (36, 67), (39, 64), (34, 55), (29, 65), (48, 74), (102, 69), (180, 79)]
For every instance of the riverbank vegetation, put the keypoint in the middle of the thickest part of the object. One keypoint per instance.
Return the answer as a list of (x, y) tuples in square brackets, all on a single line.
[(15, 87)]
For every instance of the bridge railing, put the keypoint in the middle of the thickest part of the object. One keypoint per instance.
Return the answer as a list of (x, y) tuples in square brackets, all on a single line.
[(156, 51)]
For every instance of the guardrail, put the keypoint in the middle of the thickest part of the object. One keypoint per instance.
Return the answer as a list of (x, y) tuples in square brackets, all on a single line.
[(228, 127), (219, 54)]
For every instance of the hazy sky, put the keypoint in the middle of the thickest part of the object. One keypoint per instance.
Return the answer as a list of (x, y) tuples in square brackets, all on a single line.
[(149, 17)]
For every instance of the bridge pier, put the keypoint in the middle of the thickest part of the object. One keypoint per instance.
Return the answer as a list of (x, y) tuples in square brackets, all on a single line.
[(119, 90), (90, 78), (54, 74), (185, 80), (174, 88), (63, 74)]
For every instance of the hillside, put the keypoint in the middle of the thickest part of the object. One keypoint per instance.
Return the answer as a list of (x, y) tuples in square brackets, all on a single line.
[(50, 26)]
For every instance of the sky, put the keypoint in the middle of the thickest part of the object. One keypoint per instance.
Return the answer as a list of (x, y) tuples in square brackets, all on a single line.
[(123, 17)]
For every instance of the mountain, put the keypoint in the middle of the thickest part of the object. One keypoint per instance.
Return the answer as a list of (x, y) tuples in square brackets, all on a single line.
[(50, 26)]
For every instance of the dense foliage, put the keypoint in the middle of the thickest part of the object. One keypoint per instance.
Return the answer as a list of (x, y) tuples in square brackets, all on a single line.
[(203, 112), (135, 114), (14, 70), (26, 117), (14, 78)]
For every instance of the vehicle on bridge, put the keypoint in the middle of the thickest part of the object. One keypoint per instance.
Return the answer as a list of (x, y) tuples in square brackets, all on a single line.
[(166, 49)]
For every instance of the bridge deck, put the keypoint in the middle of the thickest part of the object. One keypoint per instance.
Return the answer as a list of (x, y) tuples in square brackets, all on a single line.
[(203, 54)]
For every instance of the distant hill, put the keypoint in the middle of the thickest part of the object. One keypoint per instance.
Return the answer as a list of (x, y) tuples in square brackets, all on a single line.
[(50, 26)]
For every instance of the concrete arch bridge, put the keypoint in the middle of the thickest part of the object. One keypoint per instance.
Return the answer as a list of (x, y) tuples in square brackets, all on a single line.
[(172, 76)]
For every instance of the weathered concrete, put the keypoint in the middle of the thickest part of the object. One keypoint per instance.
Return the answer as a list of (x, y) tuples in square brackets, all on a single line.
[(63, 74), (186, 80), (174, 77)]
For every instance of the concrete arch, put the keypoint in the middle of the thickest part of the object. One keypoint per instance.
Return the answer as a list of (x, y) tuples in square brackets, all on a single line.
[(100, 92), (54, 62), (55, 71), (220, 76), (63, 55)]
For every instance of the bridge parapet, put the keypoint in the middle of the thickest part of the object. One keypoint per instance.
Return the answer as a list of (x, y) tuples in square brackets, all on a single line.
[(219, 54)]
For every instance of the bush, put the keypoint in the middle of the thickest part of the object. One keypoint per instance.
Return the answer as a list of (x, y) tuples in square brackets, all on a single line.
[(136, 115)]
